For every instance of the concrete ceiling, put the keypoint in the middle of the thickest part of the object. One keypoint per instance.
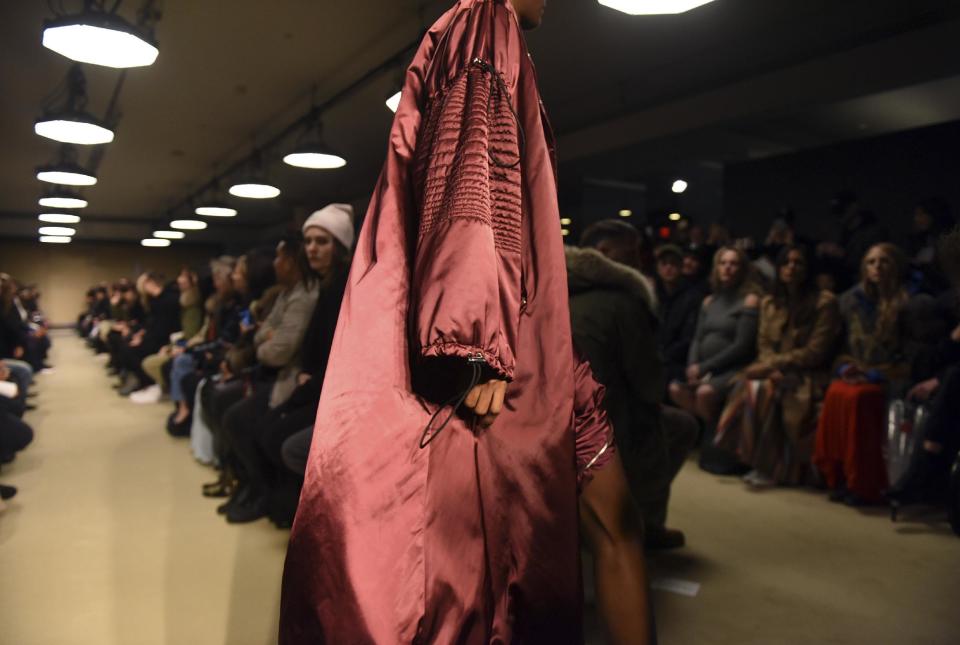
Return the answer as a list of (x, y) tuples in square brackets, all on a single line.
[(732, 80)]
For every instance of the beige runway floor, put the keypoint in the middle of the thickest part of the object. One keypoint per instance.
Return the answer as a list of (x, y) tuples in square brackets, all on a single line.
[(110, 543)]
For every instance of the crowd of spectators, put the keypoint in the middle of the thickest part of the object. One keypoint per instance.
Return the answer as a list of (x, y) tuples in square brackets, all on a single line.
[(778, 358), (24, 345)]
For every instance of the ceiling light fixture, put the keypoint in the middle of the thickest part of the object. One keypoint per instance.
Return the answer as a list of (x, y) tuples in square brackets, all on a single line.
[(215, 210), (566, 221), (564, 232), (393, 101), (169, 235), (55, 239), (313, 152), (56, 230), (58, 218), (653, 7), (99, 38), (149, 241), (72, 124), (625, 212), (188, 224), (62, 199), (255, 186), (674, 217), (679, 186), (66, 172)]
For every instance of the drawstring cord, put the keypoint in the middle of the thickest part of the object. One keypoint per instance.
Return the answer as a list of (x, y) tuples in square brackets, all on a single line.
[(429, 435)]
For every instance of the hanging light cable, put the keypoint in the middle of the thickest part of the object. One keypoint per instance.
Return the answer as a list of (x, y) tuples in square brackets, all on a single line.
[(313, 152), (99, 37), (72, 124)]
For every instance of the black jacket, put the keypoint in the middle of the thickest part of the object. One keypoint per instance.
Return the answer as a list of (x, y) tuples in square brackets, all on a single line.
[(678, 314), (163, 318)]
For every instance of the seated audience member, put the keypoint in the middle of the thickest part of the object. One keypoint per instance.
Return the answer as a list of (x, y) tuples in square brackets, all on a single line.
[(725, 339), (328, 236), (770, 417), (678, 308), (848, 450), (127, 318), (278, 341), (162, 319), (928, 475), (15, 434), (204, 351), (614, 327), (191, 320), (931, 219), (695, 268)]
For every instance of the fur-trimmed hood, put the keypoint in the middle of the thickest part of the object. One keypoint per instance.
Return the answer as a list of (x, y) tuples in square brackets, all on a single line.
[(588, 268)]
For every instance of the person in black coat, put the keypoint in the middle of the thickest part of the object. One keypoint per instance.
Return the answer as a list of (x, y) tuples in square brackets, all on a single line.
[(678, 308), (162, 319)]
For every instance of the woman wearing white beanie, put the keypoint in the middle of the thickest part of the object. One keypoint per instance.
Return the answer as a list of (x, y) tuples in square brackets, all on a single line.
[(328, 236)]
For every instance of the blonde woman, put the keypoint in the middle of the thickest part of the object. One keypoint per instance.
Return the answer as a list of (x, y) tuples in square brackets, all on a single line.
[(849, 436)]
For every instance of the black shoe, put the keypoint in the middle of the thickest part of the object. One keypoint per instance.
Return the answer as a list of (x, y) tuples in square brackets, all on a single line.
[(219, 488), (251, 510), (29, 407), (181, 429), (837, 495), (131, 386), (241, 496), (851, 499), (6, 492), (7, 457)]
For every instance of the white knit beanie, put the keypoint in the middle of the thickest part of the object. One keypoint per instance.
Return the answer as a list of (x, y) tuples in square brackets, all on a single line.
[(337, 219)]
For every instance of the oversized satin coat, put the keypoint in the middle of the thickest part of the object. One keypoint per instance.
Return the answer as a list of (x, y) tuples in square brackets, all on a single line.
[(472, 539)]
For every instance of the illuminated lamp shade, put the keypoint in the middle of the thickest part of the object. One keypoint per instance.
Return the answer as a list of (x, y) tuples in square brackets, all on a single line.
[(169, 235), (314, 156), (73, 127), (57, 230), (679, 186), (99, 38), (62, 199), (58, 218), (66, 174), (254, 189), (215, 210), (653, 7), (564, 232), (625, 212), (674, 217), (566, 221), (188, 224), (154, 242), (55, 239), (393, 101)]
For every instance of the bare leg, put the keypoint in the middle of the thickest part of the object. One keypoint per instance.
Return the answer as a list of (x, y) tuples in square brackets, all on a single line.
[(613, 528), (182, 412), (683, 397), (707, 404)]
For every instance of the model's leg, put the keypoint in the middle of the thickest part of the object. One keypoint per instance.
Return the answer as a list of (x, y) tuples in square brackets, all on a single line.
[(612, 526)]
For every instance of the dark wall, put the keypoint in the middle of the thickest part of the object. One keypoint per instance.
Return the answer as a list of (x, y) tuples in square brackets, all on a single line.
[(890, 174)]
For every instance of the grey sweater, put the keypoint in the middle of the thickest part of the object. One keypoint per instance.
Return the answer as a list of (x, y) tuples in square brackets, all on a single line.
[(280, 336), (726, 336)]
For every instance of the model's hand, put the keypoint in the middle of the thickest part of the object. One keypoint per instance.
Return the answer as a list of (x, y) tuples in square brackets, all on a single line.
[(486, 400)]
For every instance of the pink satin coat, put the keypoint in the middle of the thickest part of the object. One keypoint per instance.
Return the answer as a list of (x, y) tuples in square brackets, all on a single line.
[(472, 539)]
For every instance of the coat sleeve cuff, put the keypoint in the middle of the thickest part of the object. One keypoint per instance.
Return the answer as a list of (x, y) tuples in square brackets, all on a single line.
[(447, 349)]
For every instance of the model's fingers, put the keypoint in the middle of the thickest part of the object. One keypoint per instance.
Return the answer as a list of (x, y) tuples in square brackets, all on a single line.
[(486, 397), (472, 397)]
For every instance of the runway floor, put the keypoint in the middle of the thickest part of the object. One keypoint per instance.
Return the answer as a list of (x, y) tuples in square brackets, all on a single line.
[(109, 542)]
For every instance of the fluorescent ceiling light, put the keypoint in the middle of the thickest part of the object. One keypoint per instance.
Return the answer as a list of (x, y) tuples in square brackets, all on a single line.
[(169, 235), (188, 224), (566, 221), (254, 190), (215, 210), (653, 7), (79, 128), (625, 212), (63, 200), (675, 217), (55, 239), (154, 242), (99, 38), (58, 218), (66, 175), (679, 186), (393, 102)]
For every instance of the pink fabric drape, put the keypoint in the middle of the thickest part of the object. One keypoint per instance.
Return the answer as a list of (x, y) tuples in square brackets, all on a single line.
[(474, 538)]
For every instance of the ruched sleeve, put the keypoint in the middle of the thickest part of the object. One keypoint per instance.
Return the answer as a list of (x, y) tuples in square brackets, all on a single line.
[(466, 277)]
